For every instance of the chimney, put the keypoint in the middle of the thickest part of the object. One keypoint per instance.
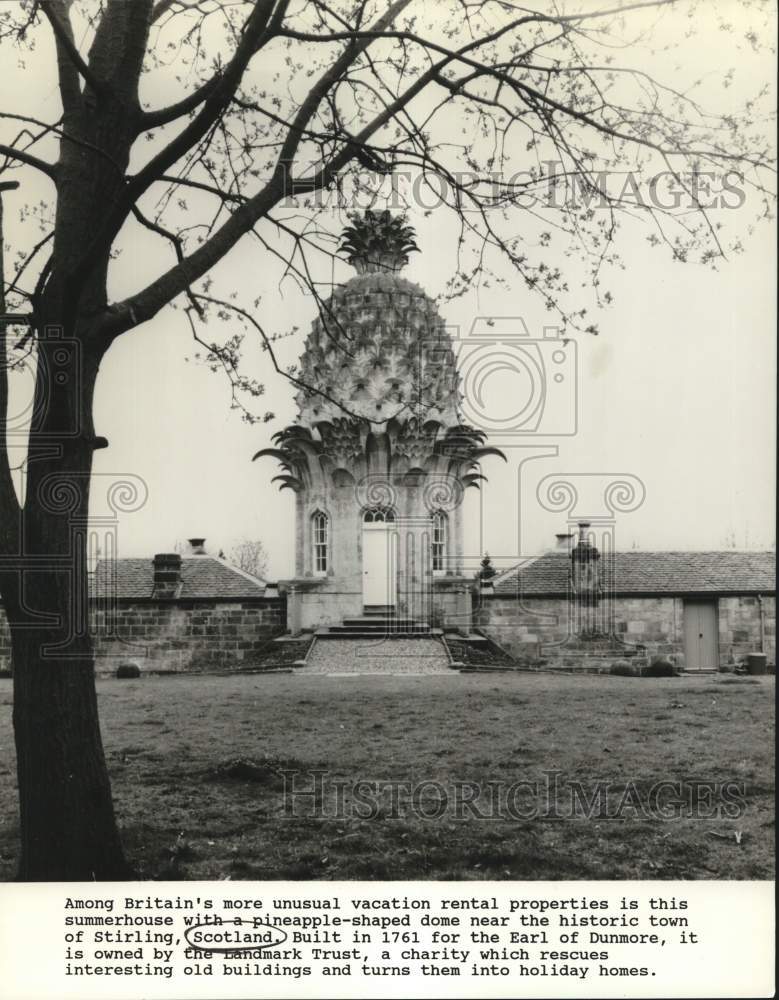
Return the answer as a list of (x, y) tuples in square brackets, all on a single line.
[(167, 575), (583, 553), (197, 546), (564, 541), (585, 576)]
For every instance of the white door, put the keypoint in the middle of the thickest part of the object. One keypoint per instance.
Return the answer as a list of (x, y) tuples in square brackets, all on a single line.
[(378, 564), (700, 635)]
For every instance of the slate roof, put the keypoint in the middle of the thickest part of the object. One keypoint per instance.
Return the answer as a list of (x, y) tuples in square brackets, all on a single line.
[(201, 577), (650, 573)]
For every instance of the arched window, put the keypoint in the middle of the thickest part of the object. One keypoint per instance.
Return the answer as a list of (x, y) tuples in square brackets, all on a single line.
[(379, 515), (319, 526), (438, 547)]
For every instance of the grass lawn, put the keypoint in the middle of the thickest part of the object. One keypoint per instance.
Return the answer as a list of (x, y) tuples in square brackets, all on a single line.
[(194, 763)]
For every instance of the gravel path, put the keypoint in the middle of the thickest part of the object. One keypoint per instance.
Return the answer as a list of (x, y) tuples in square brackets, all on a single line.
[(381, 656)]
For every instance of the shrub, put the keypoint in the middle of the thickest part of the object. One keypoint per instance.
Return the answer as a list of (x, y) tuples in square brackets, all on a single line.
[(126, 671), (661, 666), (621, 668)]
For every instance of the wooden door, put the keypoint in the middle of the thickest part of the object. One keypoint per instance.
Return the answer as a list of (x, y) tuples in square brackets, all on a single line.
[(378, 564), (701, 648)]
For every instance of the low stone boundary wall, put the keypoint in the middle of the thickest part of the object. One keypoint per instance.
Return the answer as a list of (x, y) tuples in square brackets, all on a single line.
[(164, 635)]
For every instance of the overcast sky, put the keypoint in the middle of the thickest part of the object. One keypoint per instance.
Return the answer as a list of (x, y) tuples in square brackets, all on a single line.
[(677, 390)]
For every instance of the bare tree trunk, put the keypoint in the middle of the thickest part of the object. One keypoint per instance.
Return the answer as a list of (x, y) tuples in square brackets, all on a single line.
[(68, 828)]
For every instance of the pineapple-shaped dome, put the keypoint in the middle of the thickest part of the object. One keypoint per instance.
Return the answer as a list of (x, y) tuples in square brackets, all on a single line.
[(379, 347)]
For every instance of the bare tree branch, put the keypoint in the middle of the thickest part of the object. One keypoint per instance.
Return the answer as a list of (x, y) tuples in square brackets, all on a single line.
[(254, 34), (174, 239), (22, 156), (146, 303), (57, 15), (154, 119)]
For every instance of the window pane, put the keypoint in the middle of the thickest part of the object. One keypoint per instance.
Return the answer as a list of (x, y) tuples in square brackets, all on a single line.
[(378, 515), (438, 547), (320, 542)]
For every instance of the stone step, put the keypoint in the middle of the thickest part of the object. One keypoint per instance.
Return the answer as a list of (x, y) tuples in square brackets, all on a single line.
[(383, 622), (597, 646), (335, 632)]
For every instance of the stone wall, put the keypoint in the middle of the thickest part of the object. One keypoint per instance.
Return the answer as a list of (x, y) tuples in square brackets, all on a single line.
[(166, 636), (535, 628), (544, 628), (739, 627), (654, 622), (523, 627), (312, 604)]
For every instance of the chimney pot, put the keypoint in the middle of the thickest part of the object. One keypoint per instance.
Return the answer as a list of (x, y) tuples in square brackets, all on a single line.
[(167, 574)]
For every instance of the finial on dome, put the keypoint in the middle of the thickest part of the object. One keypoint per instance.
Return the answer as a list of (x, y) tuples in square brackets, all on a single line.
[(377, 241)]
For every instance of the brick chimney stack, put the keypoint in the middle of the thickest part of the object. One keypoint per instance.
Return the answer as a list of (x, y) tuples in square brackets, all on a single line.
[(197, 546), (564, 541), (167, 575)]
